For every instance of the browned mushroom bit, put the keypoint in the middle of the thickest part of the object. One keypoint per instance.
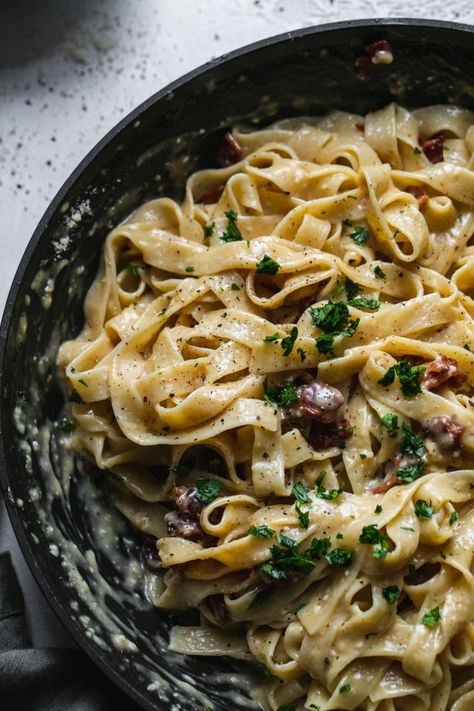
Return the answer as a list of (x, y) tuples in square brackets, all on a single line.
[(433, 147), (443, 370), (184, 523), (316, 400), (445, 432), (317, 413), (230, 150)]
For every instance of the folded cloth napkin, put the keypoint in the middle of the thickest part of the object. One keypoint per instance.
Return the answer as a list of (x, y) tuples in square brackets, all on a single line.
[(45, 679)]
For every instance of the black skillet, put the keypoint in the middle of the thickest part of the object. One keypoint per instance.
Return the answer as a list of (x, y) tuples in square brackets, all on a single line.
[(309, 71)]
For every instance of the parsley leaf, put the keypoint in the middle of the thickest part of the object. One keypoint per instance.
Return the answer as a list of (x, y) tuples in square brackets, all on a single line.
[(330, 318), (325, 343), (288, 342), (390, 422), (301, 492), (453, 518), (287, 558), (327, 494), (344, 688), (391, 594), (340, 557), (232, 233), (411, 473), (361, 302), (189, 269), (381, 550), (417, 151), (287, 707), (408, 375), (301, 353), (431, 618), (235, 287), (133, 269), (352, 289), (282, 395), (333, 319), (271, 339), (260, 598), (261, 531), (360, 235), (372, 535), (379, 273), (319, 548), (411, 443), (209, 229), (303, 516), (423, 509), (267, 265), (207, 490), (378, 509)]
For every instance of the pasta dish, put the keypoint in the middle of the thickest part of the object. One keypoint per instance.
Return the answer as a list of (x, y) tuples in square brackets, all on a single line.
[(277, 374)]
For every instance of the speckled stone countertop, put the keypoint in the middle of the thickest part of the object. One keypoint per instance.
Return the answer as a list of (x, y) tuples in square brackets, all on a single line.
[(70, 70)]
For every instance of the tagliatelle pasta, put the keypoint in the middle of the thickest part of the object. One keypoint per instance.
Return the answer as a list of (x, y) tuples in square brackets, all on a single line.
[(278, 372)]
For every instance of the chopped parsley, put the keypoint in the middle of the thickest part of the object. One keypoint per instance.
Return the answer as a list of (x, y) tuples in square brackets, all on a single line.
[(442, 554), (287, 707), (301, 492), (232, 233), (261, 531), (411, 443), (340, 557), (391, 594), (431, 618), (466, 347), (267, 265), (76, 398), (378, 509), (83, 382), (189, 269), (339, 536), (417, 151), (271, 339), (301, 353), (333, 320), (319, 548), (133, 269), (408, 375), (207, 490), (360, 235), (390, 422), (322, 492), (373, 536), (282, 395), (287, 559), (260, 598), (288, 342), (453, 518), (362, 455), (352, 289), (330, 318), (303, 516), (344, 688), (209, 229), (235, 287), (361, 302), (370, 534), (379, 273), (423, 509)]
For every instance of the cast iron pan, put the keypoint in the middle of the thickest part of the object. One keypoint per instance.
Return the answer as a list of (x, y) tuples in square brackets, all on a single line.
[(310, 71)]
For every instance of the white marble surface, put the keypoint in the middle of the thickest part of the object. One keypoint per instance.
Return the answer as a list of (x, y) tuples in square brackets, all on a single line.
[(70, 69)]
